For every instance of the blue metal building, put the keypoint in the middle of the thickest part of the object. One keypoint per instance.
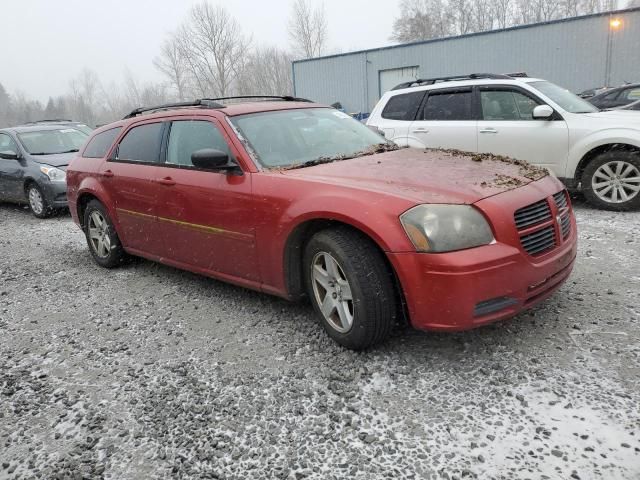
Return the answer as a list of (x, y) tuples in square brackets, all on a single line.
[(577, 53)]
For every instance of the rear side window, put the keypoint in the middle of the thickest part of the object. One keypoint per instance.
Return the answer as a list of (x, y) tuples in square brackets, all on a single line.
[(187, 137), (99, 145), (632, 94), (448, 106), (141, 144), (403, 107)]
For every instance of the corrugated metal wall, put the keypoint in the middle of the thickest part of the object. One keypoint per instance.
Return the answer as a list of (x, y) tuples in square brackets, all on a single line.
[(571, 53)]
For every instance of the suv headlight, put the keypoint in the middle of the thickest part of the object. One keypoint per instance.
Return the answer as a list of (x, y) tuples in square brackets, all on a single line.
[(54, 174), (444, 228)]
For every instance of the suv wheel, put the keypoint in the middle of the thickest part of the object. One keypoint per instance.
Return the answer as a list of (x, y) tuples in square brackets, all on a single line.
[(37, 202), (612, 181), (350, 287), (103, 241)]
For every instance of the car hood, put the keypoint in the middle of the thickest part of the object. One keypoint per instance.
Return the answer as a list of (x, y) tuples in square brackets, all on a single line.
[(426, 176), (623, 118), (56, 160)]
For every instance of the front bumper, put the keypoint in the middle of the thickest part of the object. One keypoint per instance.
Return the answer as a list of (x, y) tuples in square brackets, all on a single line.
[(55, 193), (469, 288)]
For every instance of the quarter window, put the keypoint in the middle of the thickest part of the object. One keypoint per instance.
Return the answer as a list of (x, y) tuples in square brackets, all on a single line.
[(448, 106), (403, 107), (187, 137), (141, 144), (632, 94), (506, 105), (99, 145)]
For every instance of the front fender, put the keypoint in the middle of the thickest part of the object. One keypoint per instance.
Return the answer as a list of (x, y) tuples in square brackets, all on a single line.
[(627, 136)]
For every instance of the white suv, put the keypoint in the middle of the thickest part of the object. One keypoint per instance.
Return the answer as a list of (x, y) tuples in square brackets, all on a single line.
[(525, 118)]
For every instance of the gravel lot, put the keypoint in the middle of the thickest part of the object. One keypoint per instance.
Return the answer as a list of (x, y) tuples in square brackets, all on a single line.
[(150, 372)]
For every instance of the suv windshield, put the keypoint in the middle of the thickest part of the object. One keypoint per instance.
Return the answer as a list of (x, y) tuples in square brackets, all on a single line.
[(51, 142), (564, 98), (293, 138)]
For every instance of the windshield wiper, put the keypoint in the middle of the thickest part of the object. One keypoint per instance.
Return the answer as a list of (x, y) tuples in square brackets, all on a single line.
[(373, 149), (55, 153)]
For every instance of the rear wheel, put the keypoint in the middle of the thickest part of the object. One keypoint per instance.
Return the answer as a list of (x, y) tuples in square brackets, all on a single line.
[(103, 241), (611, 181), (38, 202), (351, 287)]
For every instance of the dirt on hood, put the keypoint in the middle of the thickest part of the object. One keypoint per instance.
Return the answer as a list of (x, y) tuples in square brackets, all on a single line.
[(525, 169)]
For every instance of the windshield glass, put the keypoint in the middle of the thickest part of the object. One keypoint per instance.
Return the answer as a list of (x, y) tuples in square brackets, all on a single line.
[(290, 138), (564, 98), (50, 142)]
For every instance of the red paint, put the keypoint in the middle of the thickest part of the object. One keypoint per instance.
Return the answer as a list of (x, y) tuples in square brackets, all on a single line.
[(236, 227)]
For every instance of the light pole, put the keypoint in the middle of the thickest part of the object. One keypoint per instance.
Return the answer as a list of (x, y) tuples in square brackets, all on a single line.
[(614, 24)]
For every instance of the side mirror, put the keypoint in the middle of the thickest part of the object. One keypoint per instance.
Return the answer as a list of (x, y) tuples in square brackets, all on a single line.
[(542, 112), (211, 159), (9, 155)]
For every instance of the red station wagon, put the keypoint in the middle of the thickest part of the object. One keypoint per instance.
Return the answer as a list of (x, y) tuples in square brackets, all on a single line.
[(297, 199)]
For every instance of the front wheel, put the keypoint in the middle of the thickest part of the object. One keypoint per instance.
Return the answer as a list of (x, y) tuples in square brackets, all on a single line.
[(351, 287), (611, 181), (38, 202), (103, 241)]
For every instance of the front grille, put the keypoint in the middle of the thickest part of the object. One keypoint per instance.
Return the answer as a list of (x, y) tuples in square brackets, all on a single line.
[(565, 225), (532, 214), (539, 241), (561, 200)]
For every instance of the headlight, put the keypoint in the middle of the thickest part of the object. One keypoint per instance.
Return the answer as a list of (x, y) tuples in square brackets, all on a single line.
[(54, 174), (443, 228)]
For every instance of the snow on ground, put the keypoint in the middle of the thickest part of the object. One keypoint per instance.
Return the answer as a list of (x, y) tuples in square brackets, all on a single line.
[(149, 372)]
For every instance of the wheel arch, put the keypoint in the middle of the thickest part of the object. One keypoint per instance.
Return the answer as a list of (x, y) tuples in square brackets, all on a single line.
[(294, 252), (597, 150)]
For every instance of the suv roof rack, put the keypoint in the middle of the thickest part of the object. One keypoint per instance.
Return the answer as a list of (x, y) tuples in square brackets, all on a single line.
[(473, 76), (209, 103), (52, 120)]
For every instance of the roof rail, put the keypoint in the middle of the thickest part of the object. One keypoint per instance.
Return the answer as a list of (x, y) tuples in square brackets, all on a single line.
[(517, 75), (168, 106), (430, 81), (209, 103), (286, 98), (52, 120)]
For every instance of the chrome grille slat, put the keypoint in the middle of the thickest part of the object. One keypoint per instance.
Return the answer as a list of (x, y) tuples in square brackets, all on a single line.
[(539, 241), (530, 215), (561, 200), (565, 225)]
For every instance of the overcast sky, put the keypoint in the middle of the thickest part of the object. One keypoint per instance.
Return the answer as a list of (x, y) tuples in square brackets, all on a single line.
[(47, 42)]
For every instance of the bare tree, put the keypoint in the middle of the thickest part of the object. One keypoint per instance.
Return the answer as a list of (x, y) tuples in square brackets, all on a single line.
[(267, 71), (503, 12), (212, 45), (421, 20), (307, 29), (173, 65), (462, 15), (483, 15)]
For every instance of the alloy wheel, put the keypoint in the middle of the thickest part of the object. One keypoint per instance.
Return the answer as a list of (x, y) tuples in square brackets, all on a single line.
[(332, 291), (616, 182), (36, 202), (99, 234)]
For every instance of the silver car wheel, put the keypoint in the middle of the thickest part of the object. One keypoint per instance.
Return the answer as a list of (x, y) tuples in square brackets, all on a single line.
[(616, 182), (99, 234), (36, 202), (332, 292)]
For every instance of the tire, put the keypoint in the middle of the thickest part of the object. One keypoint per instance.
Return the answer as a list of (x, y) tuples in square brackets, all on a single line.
[(359, 268), (38, 202), (102, 239), (620, 168)]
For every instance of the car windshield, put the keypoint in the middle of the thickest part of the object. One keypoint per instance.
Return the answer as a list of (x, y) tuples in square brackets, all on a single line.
[(51, 142), (564, 98), (302, 137)]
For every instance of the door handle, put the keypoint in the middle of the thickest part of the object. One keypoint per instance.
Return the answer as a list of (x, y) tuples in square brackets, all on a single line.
[(168, 181), (420, 130), (488, 130), (107, 174)]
